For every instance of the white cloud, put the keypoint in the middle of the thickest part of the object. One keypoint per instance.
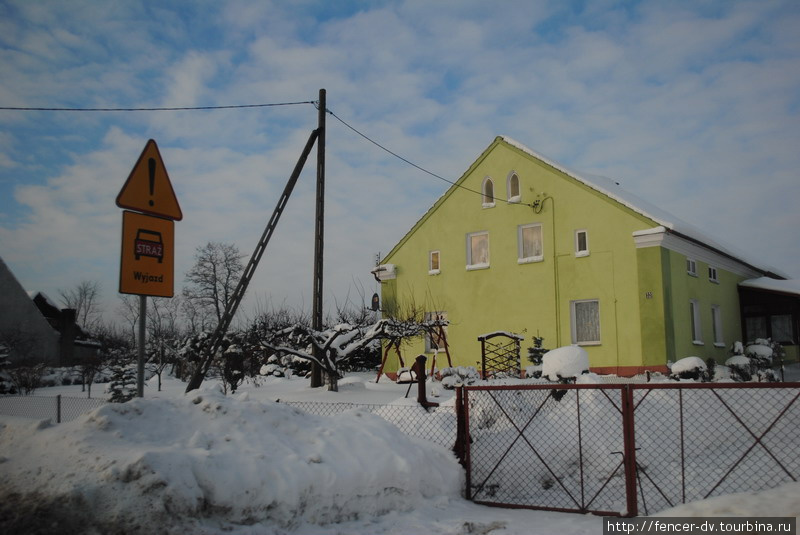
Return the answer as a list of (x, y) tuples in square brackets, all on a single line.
[(692, 107)]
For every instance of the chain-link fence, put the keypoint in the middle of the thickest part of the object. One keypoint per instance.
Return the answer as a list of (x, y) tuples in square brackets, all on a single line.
[(624, 449), (437, 425), (56, 408)]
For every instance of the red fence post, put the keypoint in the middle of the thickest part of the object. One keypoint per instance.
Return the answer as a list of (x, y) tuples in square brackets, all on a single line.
[(458, 447), (629, 438)]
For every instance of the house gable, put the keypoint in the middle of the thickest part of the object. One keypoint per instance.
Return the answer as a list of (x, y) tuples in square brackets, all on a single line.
[(21, 320)]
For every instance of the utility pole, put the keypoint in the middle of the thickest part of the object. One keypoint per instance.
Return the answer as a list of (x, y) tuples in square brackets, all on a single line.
[(319, 238)]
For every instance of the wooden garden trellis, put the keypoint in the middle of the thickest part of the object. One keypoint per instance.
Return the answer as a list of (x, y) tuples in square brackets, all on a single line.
[(500, 357)]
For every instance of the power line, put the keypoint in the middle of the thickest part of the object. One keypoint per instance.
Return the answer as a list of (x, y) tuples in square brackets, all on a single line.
[(409, 162), (243, 106), (175, 108)]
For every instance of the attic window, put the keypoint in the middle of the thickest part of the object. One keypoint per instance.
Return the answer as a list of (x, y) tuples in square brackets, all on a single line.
[(487, 189), (512, 187)]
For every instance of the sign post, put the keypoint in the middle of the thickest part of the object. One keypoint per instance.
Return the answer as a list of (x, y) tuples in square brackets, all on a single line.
[(147, 254)]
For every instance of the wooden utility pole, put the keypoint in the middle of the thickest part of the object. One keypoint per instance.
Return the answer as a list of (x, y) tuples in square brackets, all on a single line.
[(319, 238)]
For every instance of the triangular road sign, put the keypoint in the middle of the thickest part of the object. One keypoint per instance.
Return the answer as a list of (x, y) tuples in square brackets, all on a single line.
[(148, 188)]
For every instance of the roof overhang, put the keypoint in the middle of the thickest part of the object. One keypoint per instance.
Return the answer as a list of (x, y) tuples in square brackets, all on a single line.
[(697, 250)]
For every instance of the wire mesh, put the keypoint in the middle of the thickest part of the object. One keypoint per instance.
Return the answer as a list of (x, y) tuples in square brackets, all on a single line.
[(547, 447), (55, 408), (563, 447), (694, 443), (435, 425)]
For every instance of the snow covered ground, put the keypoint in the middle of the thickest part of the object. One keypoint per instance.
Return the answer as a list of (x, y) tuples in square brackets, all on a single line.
[(207, 463)]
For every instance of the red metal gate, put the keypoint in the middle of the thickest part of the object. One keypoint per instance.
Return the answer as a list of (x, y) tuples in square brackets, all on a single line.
[(618, 449)]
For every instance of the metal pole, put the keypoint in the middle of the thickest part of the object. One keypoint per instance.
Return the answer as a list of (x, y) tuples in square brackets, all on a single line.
[(319, 237), (140, 360)]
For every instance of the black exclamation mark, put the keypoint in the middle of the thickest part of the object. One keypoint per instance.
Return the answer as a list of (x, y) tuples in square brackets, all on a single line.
[(151, 163)]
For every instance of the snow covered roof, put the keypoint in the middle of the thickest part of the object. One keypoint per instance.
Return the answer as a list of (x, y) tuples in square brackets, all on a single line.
[(669, 222), (664, 222), (773, 285)]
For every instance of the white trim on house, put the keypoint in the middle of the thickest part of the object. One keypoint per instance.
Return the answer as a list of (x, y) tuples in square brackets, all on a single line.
[(520, 244), (578, 251), (518, 196), (487, 198), (477, 265), (431, 269), (660, 237)]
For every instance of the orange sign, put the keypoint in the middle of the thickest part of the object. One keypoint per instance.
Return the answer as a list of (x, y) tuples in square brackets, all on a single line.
[(148, 255), (148, 188)]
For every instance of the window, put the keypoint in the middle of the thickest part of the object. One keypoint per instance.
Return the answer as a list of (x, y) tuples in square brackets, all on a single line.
[(712, 274), (755, 327), (781, 327), (716, 321), (433, 263), (436, 338), (585, 318), (512, 187), (529, 243), (694, 314), (581, 243), (478, 250), (691, 267), (488, 192)]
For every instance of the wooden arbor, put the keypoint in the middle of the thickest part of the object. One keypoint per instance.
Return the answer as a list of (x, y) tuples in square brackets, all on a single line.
[(500, 354)]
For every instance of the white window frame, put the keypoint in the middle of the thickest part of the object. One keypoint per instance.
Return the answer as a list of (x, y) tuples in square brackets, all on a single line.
[(712, 274), (574, 323), (716, 322), (438, 269), (528, 259), (477, 265), (695, 322), (513, 198), (487, 199), (578, 251), (691, 266)]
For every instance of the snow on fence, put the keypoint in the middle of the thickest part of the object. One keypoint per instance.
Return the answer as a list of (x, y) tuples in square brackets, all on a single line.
[(56, 408), (626, 449)]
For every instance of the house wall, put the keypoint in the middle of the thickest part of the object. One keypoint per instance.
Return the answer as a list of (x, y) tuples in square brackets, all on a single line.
[(20, 317), (534, 298)]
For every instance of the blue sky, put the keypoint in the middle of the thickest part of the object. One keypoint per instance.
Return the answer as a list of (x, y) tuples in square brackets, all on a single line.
[(691, 105)]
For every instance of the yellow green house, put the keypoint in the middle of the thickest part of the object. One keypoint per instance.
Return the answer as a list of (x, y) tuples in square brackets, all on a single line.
[(522, 244)]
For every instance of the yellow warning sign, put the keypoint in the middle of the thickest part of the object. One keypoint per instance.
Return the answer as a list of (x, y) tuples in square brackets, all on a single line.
[(148, 255), (148, 188)]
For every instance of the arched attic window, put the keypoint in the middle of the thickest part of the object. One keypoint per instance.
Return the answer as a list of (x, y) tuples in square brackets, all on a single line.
[(512, 187), (487, 188)]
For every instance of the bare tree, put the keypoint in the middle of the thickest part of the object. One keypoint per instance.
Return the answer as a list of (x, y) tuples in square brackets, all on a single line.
[(163, 331), (129, 309), (85, 299), (197, 316), (214, 276)]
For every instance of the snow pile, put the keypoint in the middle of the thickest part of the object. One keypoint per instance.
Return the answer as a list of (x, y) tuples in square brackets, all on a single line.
[(687, 365), (569, 361), (780, 502), (206, 455), (759, 350), (459, 376)]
